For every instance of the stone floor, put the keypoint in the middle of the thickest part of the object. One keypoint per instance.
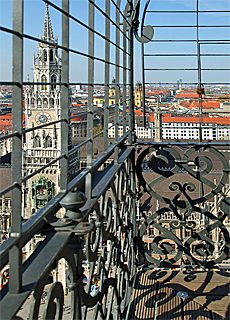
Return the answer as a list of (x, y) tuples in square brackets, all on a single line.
[(187, 295)]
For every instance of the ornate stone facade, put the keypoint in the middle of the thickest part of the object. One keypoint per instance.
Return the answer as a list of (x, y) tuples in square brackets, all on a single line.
[(43, 106)]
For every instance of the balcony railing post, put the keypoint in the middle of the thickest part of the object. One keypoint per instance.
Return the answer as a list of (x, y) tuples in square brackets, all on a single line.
[(15, 255), (65, 96), (131, 99), (116, 151), (76, 244), (88, 187), (107, 59), (124, 74)]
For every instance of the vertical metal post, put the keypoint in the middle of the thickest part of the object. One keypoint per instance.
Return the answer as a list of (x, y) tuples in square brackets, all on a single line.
[(143, 82), (199, 70), (15, 254), (65, 96), (124, 74), (88, 183), (117, 89), (131, 99), (132, 136), (107, 59)]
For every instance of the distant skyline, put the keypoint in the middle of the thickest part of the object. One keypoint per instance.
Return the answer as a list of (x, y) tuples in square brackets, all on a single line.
[(34, 13)]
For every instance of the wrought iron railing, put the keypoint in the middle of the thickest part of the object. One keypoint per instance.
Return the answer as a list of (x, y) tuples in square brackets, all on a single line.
[(182, 183)]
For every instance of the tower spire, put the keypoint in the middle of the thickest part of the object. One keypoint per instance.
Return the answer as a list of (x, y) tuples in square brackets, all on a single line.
[(47, 29)]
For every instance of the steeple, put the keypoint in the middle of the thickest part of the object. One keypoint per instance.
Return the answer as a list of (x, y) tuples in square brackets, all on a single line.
[(47, 29)]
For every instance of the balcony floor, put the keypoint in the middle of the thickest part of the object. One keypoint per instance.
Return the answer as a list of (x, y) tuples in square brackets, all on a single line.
[(155, 295)]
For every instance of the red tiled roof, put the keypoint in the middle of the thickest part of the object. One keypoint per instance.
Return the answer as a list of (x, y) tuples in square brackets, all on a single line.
[(206, 105), (192, 95), (194, 119)]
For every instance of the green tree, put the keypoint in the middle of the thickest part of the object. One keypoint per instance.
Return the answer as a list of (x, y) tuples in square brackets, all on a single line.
[(97, 129)]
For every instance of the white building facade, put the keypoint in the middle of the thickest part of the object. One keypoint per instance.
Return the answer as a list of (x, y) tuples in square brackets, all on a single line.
[(43, 106)]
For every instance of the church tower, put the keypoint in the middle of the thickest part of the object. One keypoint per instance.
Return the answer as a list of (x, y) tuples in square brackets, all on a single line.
[(138, 100), (42, 106)]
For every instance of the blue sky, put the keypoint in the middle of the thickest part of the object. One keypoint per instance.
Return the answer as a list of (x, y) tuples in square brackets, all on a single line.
[(33, 25)]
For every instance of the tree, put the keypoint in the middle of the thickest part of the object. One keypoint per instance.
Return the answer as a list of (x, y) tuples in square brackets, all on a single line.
[(97, 129)]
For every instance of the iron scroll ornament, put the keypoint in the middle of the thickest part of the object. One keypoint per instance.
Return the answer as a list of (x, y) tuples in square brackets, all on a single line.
[(166, 162), (147, 32), (114, 266)]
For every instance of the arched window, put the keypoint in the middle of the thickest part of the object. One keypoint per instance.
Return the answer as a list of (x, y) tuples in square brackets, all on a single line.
[(32, 101), (51, 103), (44, 79), (45, 102), (48, 142), (45, 55), (37, 142), (53, 79), (51, 55), (39, 101)]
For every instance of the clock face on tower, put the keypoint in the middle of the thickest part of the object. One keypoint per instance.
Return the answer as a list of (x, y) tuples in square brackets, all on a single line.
[(42, 118)]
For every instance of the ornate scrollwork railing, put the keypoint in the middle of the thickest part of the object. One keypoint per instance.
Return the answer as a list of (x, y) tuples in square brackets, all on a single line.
[(203, 241), (102, 236)]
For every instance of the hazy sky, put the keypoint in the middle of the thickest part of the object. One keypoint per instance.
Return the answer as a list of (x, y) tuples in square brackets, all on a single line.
[(34, 12)]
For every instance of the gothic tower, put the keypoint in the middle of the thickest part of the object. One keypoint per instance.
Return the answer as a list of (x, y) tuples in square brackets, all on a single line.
[(42, 106)]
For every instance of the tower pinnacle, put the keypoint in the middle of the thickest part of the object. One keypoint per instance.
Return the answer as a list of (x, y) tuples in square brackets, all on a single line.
[(47, 29)]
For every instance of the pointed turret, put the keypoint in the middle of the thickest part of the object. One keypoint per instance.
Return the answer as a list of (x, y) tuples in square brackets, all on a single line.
[(47, 29)]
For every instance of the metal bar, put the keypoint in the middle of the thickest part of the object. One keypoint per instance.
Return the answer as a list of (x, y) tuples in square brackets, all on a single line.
[(185, 143), (15, 254), (187, 11), (143, 82), (195, 69), (131, 86), (44, 125), (188, 55), (117, 88), (194, 26), (101, 184), (63, 156), (65, 98), (78, 21), (191, 83), (108, 17), (7, 136), (124, 75), (88, 181), (107, 58), (199, 72), (66, 48), (35, 269), (11, 187), (123, 16), (185, 40)]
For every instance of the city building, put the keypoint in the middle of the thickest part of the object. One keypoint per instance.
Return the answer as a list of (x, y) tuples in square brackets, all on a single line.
[(43, 106), (187, 127)]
